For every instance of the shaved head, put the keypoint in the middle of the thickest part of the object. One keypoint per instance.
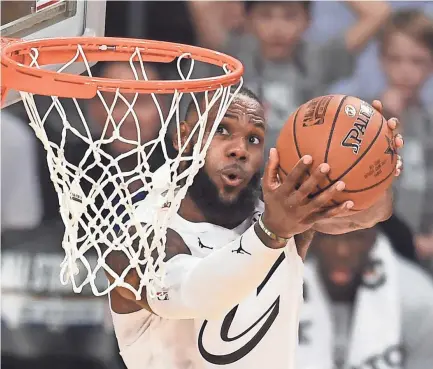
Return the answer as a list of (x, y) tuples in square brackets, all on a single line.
[(226, 188)]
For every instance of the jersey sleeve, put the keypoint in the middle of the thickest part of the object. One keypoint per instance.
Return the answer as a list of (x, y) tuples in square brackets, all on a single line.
[(208, 287)]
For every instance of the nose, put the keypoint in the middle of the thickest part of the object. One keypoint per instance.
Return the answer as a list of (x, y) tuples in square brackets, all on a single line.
[(342, 250), (237, 149)]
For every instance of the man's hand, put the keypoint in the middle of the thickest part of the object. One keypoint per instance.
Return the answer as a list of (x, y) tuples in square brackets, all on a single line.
[(349, 221), (288, 209)]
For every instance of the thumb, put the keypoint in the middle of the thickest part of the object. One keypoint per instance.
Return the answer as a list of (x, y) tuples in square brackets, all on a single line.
[(270, 178)]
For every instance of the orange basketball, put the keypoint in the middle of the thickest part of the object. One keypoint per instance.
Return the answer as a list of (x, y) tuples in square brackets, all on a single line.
[(348, 134)]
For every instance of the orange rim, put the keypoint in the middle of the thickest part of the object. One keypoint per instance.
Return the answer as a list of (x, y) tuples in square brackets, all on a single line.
[(18, 75)]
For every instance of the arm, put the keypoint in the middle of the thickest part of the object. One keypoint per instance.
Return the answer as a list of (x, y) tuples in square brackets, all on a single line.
[(371, 16), (201, 287), (303, 242), (206, 18), (336, 59)]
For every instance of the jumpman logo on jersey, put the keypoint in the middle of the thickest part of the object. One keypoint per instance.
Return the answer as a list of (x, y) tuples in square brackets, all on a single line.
[(240, 250), (200, 244)]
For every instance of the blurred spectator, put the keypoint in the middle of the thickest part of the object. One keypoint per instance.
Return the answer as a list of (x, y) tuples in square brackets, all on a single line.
[(45, 325), (21, 206), (400, 236), (234, 16), (129, 129), (365, 307), (125, 125), (368, 78), (280, 67), (169, 21), (406, 51), (142, 119)]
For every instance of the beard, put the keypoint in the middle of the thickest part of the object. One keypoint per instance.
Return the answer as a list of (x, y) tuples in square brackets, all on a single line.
[(221, 212)]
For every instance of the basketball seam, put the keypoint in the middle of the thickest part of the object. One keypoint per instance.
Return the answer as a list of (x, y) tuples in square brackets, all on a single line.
[(294, 134), (356, 161), (331, 133), (296, 142)]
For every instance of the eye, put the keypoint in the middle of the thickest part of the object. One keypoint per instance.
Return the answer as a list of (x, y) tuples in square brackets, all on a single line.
[(254, 140), (222, 130), (419, 62)]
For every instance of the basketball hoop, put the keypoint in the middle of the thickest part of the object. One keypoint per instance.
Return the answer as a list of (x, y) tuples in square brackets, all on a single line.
[(88, 227)]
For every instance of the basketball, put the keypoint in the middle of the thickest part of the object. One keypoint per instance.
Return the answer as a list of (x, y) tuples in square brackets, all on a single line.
[(348, 134)]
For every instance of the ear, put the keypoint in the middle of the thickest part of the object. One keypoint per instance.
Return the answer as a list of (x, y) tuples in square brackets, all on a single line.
[(182, 135)]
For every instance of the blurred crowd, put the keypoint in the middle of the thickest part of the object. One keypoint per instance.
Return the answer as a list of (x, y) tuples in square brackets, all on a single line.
[(292, 52)]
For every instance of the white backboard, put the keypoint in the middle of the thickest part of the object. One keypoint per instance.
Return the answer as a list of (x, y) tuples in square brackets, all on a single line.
[(51, 18)]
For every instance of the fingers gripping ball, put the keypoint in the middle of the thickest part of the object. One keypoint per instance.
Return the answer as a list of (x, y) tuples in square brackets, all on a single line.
[(348, 134)]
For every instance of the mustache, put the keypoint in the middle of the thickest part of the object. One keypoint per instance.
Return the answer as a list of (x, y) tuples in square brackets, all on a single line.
[(234, 168), (205, 194)]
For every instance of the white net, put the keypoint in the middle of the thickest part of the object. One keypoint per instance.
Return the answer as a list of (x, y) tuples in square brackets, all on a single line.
[(98, 210)]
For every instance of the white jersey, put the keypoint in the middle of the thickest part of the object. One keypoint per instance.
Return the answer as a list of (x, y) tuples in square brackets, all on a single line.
[(260, 332)]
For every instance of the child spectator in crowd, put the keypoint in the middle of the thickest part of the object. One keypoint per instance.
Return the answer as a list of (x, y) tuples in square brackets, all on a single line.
[(406, 55), (280, 67)]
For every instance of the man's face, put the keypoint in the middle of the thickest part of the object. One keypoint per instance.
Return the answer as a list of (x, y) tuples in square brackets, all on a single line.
[(278, 26), (342, 258), (229, 181), (406, 63)]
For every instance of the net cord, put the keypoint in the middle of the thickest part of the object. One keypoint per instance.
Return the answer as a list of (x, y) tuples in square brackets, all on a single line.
[(66, 178)]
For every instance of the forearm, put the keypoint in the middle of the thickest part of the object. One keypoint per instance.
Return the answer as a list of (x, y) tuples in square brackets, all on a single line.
[(206, 17), (356, 220), (371, 15), (209, 287), (303, 242)]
